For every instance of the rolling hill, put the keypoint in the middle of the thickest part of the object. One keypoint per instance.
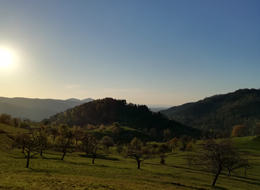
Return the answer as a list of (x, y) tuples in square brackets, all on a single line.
[(220, 112), (108, 110), (36, 109)]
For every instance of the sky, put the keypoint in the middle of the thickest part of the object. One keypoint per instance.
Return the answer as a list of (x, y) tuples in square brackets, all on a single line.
[(158, 53)]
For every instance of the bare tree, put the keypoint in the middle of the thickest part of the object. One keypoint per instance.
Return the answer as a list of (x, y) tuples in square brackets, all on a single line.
[(217, 155), (29, 144)]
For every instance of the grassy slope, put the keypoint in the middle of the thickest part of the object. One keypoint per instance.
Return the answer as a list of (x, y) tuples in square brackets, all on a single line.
[(114, 172)]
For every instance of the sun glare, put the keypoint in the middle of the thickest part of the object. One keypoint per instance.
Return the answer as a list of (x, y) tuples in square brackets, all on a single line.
[(6, 58)]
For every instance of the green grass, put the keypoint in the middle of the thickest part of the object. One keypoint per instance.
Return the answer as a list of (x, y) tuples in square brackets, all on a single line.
[(114, 172), (10, 129)]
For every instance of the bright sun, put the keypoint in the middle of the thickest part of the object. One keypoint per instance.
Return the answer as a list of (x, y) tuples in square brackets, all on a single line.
[(6, 58)]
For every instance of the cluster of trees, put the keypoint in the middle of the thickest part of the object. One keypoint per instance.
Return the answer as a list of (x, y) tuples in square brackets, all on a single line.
[(65, 139), (8, 120)]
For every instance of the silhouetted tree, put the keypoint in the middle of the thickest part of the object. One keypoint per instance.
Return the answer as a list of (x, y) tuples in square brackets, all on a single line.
[(216, 155), (137, 151)]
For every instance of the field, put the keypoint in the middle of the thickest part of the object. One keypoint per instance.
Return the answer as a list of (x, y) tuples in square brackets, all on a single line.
[(114, 172)]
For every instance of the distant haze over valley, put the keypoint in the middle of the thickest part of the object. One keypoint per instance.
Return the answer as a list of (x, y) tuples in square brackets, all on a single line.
[(37, 109)]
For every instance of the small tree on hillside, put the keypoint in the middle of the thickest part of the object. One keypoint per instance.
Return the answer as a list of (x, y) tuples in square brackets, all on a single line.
[(137, 151), (115, 133), (90, 145), (167, 134), (54, 131), (5, 119), (120, 147), (185, 139), (77, 133), (173, 144), (107, 142), (65, 139), (28, 143), (239, 131), (162, 150), (216, 155), (42, 141), (16, 122)]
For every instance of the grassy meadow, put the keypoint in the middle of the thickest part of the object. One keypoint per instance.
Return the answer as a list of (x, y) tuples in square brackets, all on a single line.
[(112, 171)]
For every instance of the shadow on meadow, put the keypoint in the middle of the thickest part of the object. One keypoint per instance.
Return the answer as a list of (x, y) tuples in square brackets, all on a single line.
[(102, 157)]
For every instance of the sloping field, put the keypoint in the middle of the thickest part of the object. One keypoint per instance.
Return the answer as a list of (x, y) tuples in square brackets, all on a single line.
[(115, 172)]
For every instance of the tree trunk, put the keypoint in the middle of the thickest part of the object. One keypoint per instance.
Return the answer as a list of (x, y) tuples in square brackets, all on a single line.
[(228, 173), (217, 174), (93, 160), (64, 152), (138, 162), (28, 159), (41, 153)]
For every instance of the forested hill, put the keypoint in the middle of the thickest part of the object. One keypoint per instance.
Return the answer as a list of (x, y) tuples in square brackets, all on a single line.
[(220, 111), (108, 110)]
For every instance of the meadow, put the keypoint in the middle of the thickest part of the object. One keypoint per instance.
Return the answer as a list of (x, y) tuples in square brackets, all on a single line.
[(112, 171)]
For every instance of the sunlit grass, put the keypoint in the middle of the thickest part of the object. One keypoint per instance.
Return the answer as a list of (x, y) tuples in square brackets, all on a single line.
[(112, 171)]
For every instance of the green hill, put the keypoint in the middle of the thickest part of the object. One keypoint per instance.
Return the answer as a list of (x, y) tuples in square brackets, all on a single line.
[(108, 110), (220, 112)]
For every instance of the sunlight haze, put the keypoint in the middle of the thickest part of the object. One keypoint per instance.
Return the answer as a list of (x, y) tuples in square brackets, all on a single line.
[(160, 53)]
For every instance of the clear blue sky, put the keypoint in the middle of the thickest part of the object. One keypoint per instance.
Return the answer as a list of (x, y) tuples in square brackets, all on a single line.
[(148, 52)]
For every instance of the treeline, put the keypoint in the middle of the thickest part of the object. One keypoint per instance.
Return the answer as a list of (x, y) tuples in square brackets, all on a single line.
[(108, 110)]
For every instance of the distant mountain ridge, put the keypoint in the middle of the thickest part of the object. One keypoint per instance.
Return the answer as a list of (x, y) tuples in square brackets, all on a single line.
[(220, 111), (36, 109)]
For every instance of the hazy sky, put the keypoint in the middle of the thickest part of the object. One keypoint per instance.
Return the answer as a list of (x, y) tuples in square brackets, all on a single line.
[(162, 52)]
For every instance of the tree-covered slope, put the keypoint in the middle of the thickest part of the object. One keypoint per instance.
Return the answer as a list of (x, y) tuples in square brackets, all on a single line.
[(108, 110), (220, 111)]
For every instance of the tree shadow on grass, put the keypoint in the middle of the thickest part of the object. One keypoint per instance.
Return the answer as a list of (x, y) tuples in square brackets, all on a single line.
[(102, 156)]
